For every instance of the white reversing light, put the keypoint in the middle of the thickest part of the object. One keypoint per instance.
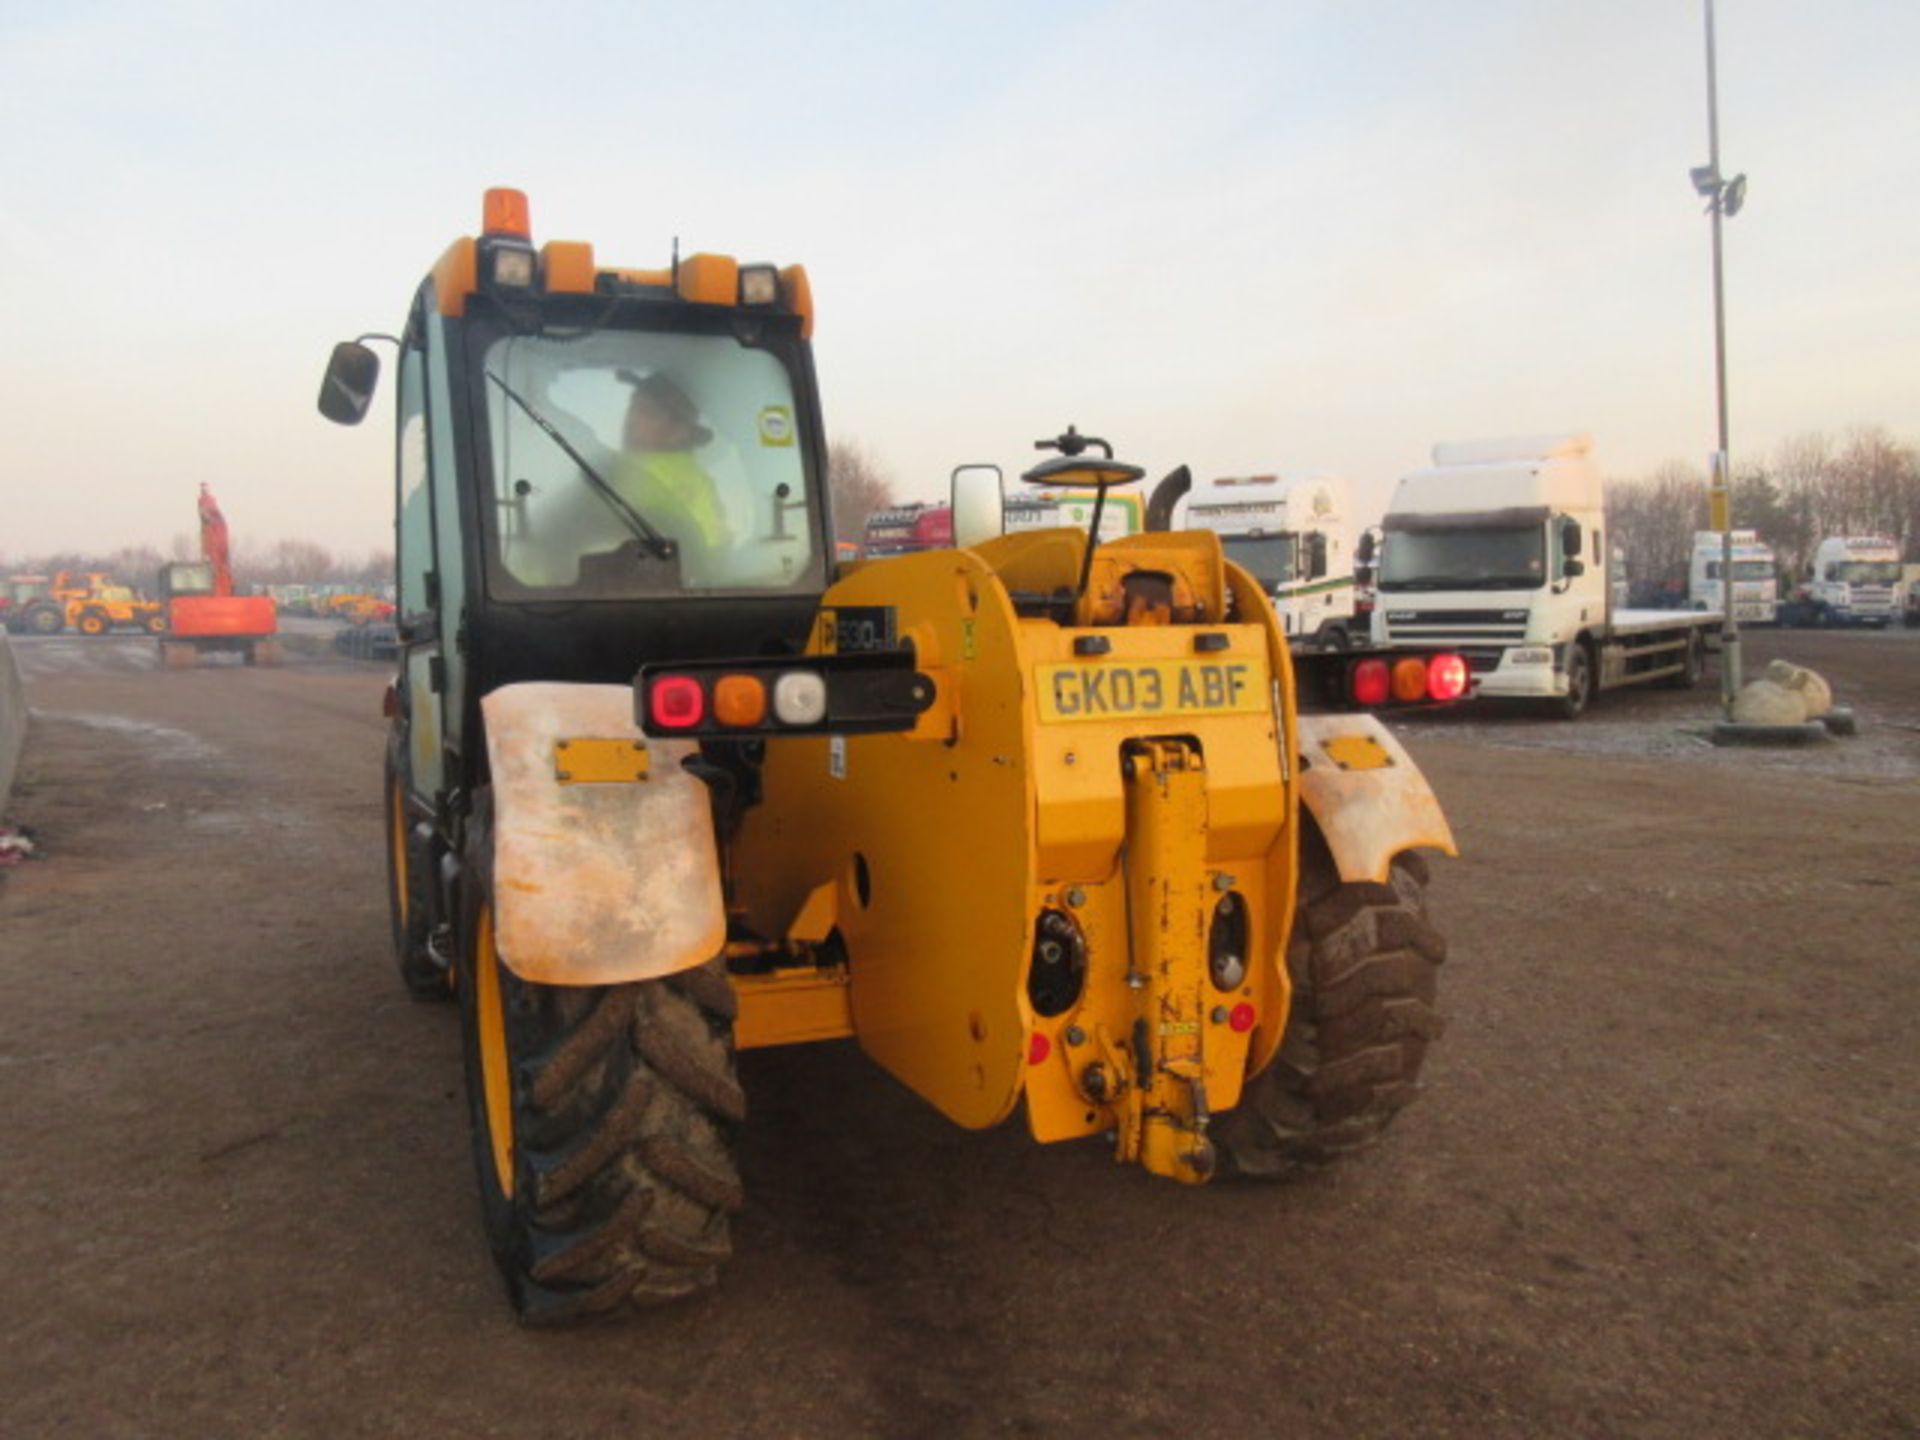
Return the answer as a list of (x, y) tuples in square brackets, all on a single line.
[(800, 698)]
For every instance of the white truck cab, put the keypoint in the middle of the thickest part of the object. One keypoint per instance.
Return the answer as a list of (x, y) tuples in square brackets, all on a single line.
[(1497, 550), (1294, 537), (1756, 583), (1854, 579)]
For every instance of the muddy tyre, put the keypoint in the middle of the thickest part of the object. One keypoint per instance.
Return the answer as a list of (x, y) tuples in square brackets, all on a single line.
[(409, 906), (1364, 963), (601, 1121), (45, 620)]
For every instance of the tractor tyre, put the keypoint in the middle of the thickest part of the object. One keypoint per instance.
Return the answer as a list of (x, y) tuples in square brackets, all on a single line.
[(94, 622), (601, 1120), (1364, 964), (409, 906), (156, 624), (45, 620)]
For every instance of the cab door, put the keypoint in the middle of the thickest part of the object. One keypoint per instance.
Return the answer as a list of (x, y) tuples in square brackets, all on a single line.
[(418, 608)]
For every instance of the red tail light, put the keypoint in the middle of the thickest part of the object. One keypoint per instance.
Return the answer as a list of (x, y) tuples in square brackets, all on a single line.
[(677, 702), (1447, 677), (1371, 682)]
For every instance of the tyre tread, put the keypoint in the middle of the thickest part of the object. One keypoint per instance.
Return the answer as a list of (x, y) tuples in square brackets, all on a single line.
[(1364, 963)]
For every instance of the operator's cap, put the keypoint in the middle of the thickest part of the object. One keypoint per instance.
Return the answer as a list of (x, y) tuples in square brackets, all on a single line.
[(665, 392)]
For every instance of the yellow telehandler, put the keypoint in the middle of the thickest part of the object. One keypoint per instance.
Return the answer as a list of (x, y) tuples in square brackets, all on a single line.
[(1037, 821)]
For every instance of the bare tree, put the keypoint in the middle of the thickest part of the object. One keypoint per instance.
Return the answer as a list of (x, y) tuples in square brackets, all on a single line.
[(1653, 518), (858, 488)]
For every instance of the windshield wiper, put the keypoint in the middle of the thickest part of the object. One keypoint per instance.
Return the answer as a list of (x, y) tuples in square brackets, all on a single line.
[(655, 541)]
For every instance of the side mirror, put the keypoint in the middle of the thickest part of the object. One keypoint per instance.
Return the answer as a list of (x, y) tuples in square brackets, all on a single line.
[(1363, 551), (979, 504), (347, 391), (1573, 568), (1570, 541)]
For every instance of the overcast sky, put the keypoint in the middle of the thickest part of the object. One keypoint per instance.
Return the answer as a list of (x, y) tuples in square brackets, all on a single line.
[(1245, 236)]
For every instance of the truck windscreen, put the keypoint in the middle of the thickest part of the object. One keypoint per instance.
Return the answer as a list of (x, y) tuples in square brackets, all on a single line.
[(1504, 557), (1867, 572), (1268, 558)]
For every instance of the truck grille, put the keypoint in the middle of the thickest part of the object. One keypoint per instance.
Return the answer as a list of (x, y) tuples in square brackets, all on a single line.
[(1456, 627)]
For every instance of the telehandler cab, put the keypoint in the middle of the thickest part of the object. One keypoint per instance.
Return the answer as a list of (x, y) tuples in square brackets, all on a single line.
[(663, 781)]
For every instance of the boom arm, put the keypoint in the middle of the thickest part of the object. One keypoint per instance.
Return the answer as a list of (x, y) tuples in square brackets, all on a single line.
[(213, 542)]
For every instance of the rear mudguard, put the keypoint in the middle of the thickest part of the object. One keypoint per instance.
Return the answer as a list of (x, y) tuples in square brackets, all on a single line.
[(1367, 796), (604, 864)]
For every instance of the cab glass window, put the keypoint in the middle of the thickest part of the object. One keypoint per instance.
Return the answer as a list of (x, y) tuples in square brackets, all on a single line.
[(599, 442)]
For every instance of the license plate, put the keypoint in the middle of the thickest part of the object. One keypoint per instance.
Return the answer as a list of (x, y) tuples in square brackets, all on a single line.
[(1118, 690)]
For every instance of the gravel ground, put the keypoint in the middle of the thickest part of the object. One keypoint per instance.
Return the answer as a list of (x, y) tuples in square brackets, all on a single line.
[(1661, 1183)]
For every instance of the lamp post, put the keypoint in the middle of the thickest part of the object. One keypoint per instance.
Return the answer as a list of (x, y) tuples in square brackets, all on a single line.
[(1724, 198)]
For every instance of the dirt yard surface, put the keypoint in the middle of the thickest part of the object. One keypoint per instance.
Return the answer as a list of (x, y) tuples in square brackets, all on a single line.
[(1663, 1182)]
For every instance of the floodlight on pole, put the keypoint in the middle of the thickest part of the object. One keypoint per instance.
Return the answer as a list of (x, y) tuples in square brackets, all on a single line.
[(1724, 199)]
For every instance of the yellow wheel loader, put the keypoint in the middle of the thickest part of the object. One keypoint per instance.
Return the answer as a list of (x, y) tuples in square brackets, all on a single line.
[(1039, 823)]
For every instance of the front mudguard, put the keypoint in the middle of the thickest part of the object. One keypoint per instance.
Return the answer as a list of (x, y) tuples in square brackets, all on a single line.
[(605, 869), (1367, 796)]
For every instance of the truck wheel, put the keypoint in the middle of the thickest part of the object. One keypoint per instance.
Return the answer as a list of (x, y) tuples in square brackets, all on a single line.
[(409, 907), (1573, 704), (1332, 637), (600, 1120), (156, 624), (45, 621), (1363, 960), (1692, 667), (93, 622)]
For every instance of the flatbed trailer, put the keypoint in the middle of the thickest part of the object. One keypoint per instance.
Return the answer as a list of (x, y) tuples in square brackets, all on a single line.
[(1498, 552)]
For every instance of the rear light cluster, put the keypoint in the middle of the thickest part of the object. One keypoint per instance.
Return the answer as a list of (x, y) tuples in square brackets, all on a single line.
[(1407, 679), (841, 694), (737, 701)]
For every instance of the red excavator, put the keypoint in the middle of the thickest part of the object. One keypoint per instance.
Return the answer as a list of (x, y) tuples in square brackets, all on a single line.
[(204, 616)]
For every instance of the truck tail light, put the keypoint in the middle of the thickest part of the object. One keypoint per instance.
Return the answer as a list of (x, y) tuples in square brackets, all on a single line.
[(1409, 679), (1370, 682), (1447, 677)]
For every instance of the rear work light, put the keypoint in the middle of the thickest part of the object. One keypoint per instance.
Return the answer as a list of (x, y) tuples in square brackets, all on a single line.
[(1447, 677), (759, 284), (866, 693), (1409, 679), (513, 266), (1370, 682)]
